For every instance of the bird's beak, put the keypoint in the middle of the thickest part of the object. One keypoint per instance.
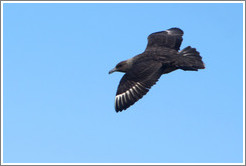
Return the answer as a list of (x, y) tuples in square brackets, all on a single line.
[(111, 71)]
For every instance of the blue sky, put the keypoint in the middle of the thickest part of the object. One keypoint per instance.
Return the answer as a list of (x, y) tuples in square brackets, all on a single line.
[(58, 98)]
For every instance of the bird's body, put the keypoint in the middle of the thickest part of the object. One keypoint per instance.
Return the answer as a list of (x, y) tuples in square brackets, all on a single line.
[(161, 56)]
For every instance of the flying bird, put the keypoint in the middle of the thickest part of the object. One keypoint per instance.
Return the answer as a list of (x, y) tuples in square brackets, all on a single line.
[(161, 56)]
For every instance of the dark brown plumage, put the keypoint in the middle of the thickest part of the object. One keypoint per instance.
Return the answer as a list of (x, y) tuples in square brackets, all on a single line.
[(160, 57)]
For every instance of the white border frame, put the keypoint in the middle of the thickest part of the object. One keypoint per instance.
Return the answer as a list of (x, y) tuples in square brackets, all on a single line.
[(2, 2), (122, 2)]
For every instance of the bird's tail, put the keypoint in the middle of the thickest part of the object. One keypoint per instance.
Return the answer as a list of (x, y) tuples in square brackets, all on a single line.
[(190, 59)]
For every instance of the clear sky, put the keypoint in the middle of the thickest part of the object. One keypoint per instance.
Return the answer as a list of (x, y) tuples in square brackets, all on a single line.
[(59, 98)]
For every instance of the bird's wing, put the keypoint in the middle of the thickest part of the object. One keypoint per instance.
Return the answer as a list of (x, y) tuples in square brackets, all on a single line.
[(134, 85), (171, 38)]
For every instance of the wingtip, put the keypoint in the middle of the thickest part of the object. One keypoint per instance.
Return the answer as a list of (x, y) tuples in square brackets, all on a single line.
[(118, 110)]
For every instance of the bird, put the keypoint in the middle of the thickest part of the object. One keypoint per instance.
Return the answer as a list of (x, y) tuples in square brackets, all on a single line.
[(161, 56)]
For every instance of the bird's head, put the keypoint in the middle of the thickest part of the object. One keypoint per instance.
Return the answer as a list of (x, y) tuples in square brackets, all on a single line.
[(120, 67)]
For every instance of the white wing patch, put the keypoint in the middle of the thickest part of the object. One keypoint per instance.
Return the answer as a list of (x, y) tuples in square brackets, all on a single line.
[(121, 100), (169, 32)]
